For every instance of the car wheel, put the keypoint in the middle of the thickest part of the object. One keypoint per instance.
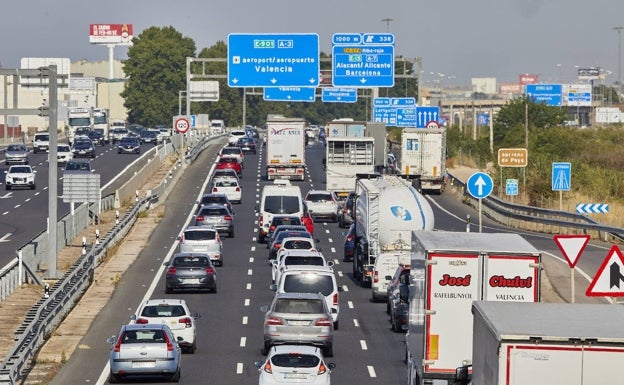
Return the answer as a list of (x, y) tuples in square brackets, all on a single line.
[(328, 351), (192, 348), (175, 377), (336, 325), (265, 349), (231, 233), (34, 186), (388, 307), (113, 378), (7, 187), (340, 223), (214, 290), (168, 290), (260, 236)]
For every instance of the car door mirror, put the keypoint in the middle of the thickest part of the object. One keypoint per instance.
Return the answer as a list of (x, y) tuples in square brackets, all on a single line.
[(273, 287), (264, 308)]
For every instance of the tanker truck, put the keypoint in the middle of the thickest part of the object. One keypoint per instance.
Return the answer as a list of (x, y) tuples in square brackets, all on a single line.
[(387, 209)]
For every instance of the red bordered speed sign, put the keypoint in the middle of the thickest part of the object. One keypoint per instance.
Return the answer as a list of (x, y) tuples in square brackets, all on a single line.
[(182, 125), (433, 124)]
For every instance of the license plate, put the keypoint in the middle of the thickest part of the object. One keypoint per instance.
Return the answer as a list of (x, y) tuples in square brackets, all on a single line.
[(299, 323), (144, 364), (200, 248), (295, 375), (192, 281)]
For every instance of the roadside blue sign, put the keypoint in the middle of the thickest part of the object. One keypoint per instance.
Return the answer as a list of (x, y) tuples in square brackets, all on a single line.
[(480, 185), (483, 119), (579, 97), (340, 95), (289, 94), (381, 102), (406, 116), (193, 120), (403, 102), (366, 63), (426, 114), (551, 94), (561, 176), (273, 60), (511, 187), (387, 115)]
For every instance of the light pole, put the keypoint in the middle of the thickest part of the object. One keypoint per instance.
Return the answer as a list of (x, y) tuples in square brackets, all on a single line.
[(619, 32), (560, 66), (387, 20)]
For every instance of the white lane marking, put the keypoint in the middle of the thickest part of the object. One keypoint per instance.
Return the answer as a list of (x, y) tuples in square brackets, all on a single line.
[(248, 287), (5, 213), (371, 371), (27, 200), (247, 301), (16, 206), (356, 323), (45, 188), (345, 288), (251, 259), (249, 272), (350, 304), (330, 240), (363, 345), (37, 193), (333, 249), (336, 261), (253, 248), (239, 368), (245, 320), (243, 342), (326, 231), (339, 274)]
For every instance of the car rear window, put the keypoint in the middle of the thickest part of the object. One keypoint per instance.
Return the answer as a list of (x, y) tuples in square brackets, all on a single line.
[(304, 282), (308, 306), (287, 234), (226, 183), (297, 244), (190, 261), (227, 160), (228, 150), (295, 360), (163, 310), (195, 235), (143, 336), (278, 221), (216, 211), (213, 199), (303, 260), (319, 197), (281, 204)]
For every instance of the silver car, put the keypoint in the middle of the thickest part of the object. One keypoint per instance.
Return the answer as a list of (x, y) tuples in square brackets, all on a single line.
[(322, 205), (142, 350), (298, 318), (16, 153), (202, 239), (216, 216)]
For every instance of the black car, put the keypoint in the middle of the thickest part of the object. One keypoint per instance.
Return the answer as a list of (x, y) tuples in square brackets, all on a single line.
[(129, 145), (147, 136), (248, 145), (83, 147), (97, 137), (190, 271), (214, 198), (252, 132)]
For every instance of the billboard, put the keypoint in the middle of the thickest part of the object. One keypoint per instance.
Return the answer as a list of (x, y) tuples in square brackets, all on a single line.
[(484, 85), (525, 79), (589, 73), (551, 94), (510, 88), (577, 94), (120, 34)]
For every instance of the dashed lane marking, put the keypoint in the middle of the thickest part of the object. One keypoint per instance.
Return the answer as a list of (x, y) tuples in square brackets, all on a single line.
[(245, 320), (248, 286), (247, 302), (363, 345), (243, 342), (350, 304), (371, 371), (239, 368)]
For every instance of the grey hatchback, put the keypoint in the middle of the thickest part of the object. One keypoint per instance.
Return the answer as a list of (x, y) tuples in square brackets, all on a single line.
[(217, 216), (190, 271)]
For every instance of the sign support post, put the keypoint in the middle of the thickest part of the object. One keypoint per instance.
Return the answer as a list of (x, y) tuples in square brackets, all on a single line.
[(480, 185)]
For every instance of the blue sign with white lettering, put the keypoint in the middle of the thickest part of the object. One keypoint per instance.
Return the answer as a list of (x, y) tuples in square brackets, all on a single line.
[(385, 115), (289, 94), (483, 119), (480, 185), (366, 63), (399, 102), (551, 94), (580, 98), (561, 176), (511, 187), (382, 102), (273, 60), (426, 114), (340, 95), (406, 116)]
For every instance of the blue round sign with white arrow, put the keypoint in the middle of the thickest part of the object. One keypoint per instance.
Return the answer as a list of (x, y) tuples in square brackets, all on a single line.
[(480, 185)]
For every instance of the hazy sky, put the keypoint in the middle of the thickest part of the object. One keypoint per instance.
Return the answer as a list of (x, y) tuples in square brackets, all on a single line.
[(459, 39)]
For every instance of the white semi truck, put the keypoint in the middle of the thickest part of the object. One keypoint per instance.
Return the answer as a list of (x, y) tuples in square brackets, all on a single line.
[(285, 148), (547, 343), (78, 117), (101, 121), (387, 210), (448, 271), (423, 152)]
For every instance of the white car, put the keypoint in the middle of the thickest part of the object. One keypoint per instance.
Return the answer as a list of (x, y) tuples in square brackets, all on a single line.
[(20, 176), (230, 187), (175, 314), (64, 153), (202, 239), (322, 204), (299, 258), (235, 135), (294, 364)]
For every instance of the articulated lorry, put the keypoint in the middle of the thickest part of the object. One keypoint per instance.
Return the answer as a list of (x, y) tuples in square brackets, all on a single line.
[(78, 117), (101, 122), (423, 152), (285, 148), (547, 343), (387, 210), (448, 271)]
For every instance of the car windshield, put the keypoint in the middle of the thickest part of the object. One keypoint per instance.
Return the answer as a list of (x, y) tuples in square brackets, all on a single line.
[(63, 149), (281, 204), (289, 305), (295, 360), (15, 147), (83, 166), (20, 170), (163, 310), (190, 261), (303, 282), (319, 197), (128, 141), (196, 235), (44, 137)]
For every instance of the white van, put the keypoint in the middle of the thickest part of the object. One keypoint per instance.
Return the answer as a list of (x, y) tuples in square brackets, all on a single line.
[(385, 265), (217, 126), (311, 279), (41, 142), (279, 198)]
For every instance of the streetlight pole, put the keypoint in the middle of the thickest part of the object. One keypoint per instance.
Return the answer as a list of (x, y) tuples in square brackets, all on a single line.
[(619, 32), (387, 20)]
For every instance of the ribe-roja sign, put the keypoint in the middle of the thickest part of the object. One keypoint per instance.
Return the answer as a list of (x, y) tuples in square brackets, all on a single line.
[(512, 157)]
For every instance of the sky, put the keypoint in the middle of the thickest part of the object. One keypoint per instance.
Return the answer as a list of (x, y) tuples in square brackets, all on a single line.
[(456, 39)]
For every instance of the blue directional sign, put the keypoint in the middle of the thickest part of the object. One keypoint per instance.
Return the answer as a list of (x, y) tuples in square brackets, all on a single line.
[(592, 208), (290, 94), (399, 102), (511, 187), (382, 102), (551, 94), (273, 60), (340, 95), (480, 185), (483, 119), (193, 121), (387, 115), (363, 63), (579, 98), (561, 176), (426, 114)]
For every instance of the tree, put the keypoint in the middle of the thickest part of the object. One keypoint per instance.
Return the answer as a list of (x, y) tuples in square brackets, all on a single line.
[(156, 72)]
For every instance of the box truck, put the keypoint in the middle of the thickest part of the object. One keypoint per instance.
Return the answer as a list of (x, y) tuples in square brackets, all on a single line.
[(423, 152), (547, 343), (285, 148), (448, 271)]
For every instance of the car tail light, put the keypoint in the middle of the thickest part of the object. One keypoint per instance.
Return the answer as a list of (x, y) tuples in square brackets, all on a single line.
[(322, 368), (277, 246), (274, 321), (376, 276), (261, 220), (350, 237), (227, 217), (199, 218), (170, 346), (210, 270), (188, 321), (267, 367), (118, 344), (323, 322), (141, 321), (237, 189), (336, 299), (271, 228), (171, 271), (214, 189)]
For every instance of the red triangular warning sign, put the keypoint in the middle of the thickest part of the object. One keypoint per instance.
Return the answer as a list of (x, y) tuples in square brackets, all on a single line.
[(609, 279), (571, 246)]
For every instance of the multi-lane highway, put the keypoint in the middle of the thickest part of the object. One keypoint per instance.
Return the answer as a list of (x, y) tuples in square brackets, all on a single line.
[(366, 351)]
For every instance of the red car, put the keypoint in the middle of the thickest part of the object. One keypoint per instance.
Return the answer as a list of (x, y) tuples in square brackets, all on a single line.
[(229, 162)]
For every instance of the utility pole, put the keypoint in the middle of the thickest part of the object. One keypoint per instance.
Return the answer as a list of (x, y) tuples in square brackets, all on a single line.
[(619, 32), (387, 20)]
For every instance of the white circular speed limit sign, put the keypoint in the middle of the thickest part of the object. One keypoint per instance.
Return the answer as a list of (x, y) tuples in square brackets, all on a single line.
[(182, 125), (433, 124)]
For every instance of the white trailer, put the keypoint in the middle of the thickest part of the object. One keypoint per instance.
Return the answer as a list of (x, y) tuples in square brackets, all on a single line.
[(285, 148), (423, 152), (78, 117), (547, 343), (345, 157), (101, 121), (448, 271)]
